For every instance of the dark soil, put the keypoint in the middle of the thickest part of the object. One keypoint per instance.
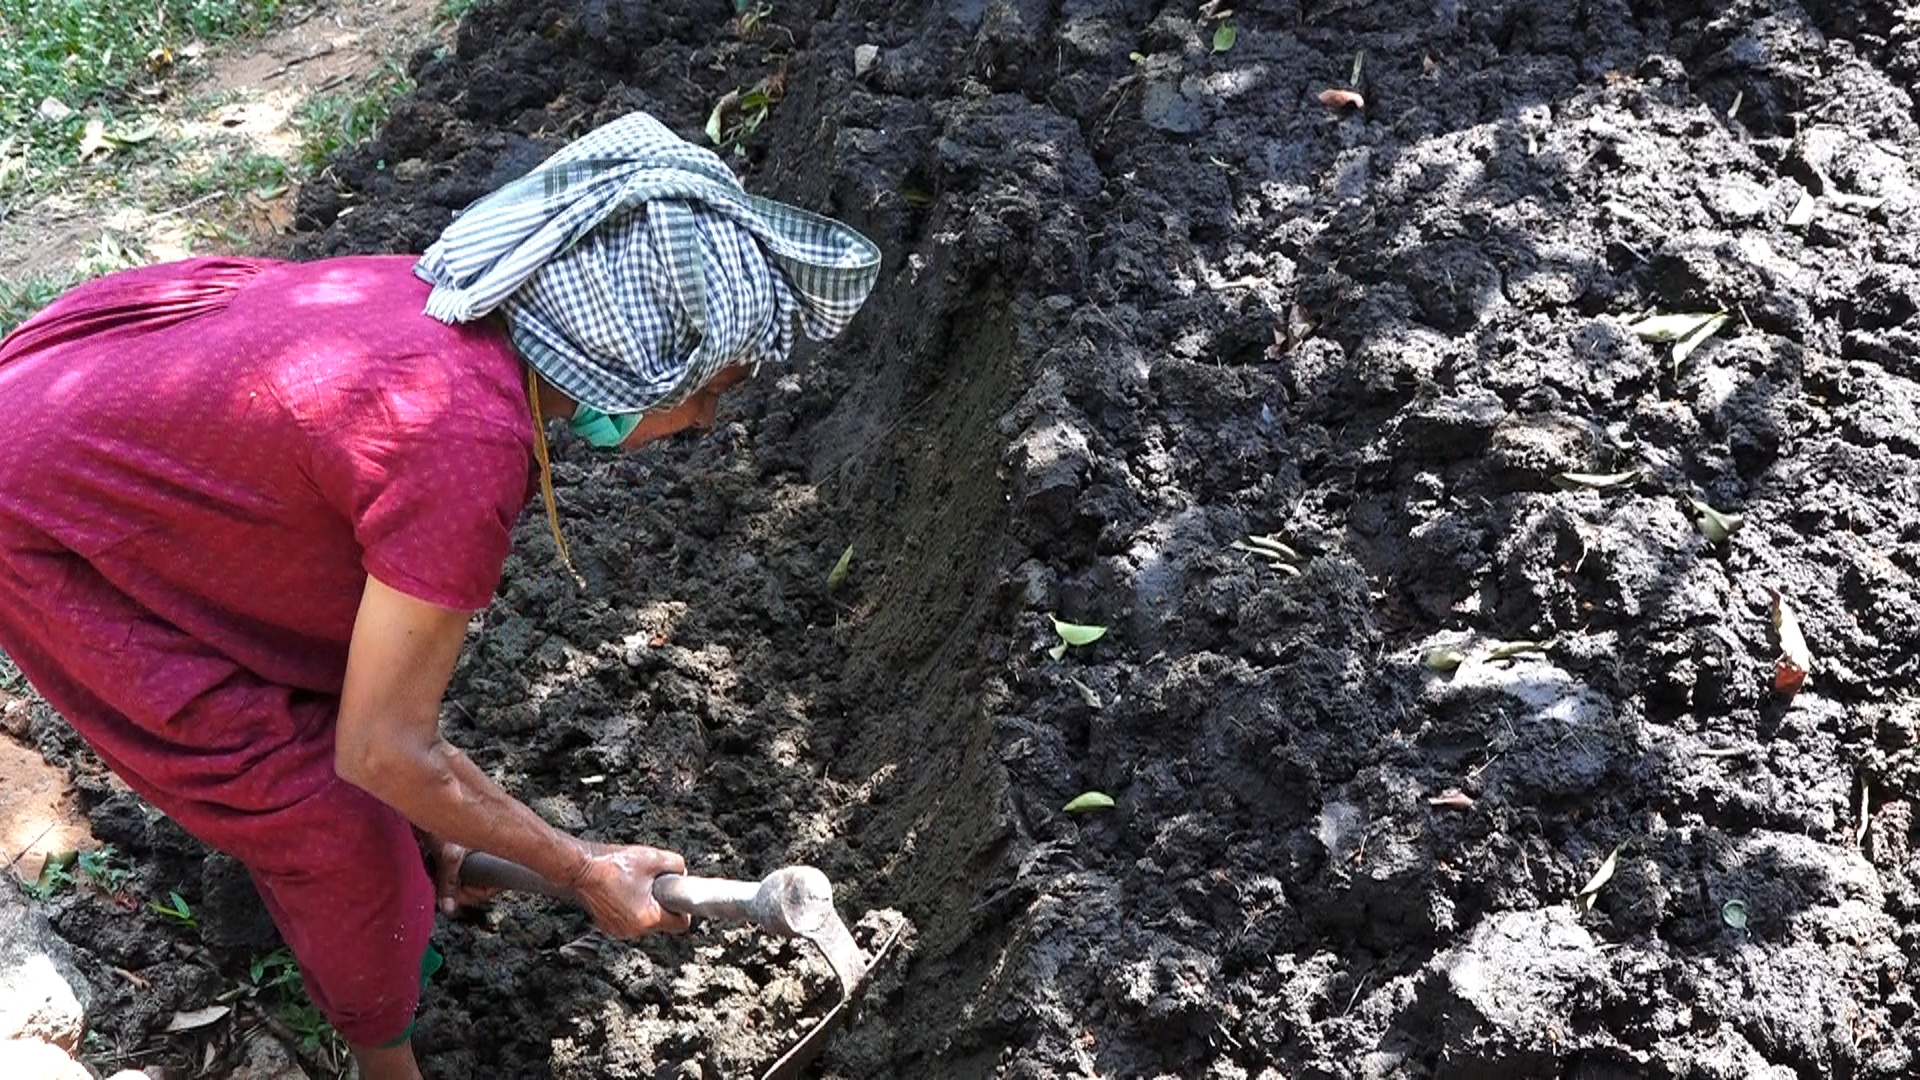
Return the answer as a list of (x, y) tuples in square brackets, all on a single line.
[(1142, 299)]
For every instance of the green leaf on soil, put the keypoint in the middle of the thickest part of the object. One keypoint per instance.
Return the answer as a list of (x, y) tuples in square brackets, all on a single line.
[(1224, 36), (55, 872), (1714, 525), (1359, 65), (1444, 659), (1575, 481), (1092, 800), (1077, 633), (714, 130), (1507, 650), (1734, 914), (838, 575), (1591, 890), (179, 911)]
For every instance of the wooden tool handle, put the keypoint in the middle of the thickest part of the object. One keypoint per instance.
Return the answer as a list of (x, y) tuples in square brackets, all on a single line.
[(713, 898), (491, 872), (708, 897)]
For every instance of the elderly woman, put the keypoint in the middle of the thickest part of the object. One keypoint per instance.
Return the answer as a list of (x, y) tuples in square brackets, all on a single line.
[(247, 507)]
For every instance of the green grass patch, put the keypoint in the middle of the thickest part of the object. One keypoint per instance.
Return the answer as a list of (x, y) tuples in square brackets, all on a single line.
[(328, 122), (220, 170), (452, 11), (20, 299), (80, 53), (274, 981)]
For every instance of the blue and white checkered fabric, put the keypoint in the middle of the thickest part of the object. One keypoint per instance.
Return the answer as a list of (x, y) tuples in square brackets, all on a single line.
[(631, 266)]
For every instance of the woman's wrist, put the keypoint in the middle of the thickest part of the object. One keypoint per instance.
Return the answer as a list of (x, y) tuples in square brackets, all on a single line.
[(579, 864)]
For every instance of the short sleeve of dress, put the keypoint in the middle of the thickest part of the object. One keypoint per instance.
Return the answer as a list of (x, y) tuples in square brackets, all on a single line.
[(433, 509), (440, 529)]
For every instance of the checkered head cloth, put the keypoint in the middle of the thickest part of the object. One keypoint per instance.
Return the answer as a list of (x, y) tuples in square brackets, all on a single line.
[(631, 266)]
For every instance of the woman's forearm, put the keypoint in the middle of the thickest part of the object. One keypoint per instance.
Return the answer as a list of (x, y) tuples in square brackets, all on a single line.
[(441, 790)]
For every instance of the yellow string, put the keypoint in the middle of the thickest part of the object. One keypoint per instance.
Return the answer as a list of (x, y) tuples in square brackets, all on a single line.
[(546, 475)]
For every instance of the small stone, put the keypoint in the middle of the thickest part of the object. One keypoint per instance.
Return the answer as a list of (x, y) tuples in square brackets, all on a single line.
[(41, 995), (41, 1061), (267, 1059), (864, 57)]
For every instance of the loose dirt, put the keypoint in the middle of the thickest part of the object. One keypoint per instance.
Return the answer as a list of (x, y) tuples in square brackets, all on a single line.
[(38, 817), (1146, 295)]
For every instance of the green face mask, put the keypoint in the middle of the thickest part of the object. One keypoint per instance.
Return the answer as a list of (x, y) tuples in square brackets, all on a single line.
[(601, 429)]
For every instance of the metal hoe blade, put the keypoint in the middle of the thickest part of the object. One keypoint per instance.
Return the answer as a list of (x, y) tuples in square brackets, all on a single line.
[(794, 901), (815, 1040)]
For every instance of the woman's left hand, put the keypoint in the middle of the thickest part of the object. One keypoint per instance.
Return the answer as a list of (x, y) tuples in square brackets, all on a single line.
[(449, 894)]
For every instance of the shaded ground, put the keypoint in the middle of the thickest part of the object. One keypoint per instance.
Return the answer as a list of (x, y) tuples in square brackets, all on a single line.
[(1144, 298)]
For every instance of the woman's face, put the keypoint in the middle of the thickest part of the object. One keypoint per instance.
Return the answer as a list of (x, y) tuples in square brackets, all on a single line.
[(695, 412)]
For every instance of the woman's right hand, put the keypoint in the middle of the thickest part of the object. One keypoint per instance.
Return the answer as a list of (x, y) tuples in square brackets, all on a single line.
[(615, 885)]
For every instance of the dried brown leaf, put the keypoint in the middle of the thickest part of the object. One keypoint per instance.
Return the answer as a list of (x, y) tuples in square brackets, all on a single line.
[(1795, 663)]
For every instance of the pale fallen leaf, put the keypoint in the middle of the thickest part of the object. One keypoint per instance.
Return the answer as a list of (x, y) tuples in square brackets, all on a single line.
[(1660, 327), (1715, 525), (1861, 203), (1086, 694), (1685, 346), (1269, 546), (93, 140), (1573, 481), (1802, 213), (1591, 890), (193, 1019), (1507, 650)]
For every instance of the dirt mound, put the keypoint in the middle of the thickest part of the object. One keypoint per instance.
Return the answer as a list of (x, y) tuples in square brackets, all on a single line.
[(1147, 295)]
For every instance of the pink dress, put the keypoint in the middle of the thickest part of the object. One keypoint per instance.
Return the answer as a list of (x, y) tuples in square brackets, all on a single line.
[(200, 464)]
